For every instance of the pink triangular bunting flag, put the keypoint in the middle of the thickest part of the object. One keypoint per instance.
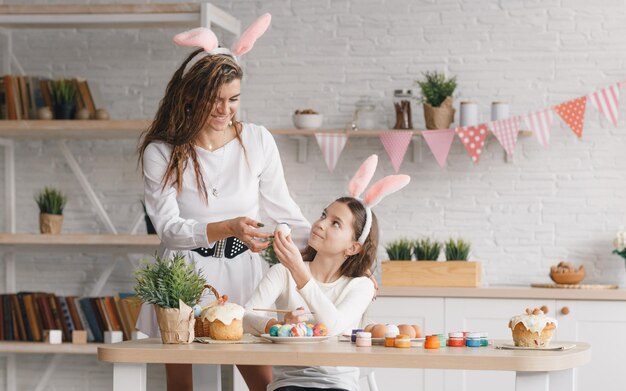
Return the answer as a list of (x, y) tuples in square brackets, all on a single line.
[(607, 102), (573, 114), (439, 142), (396, 144), (473, 137), (331, 145), (540, 123), (506, 131)]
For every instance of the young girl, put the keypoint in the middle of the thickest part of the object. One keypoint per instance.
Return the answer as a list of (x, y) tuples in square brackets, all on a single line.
[(330, 279)]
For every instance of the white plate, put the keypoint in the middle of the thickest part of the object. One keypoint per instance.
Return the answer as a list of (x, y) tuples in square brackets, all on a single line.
[(296, 339), (552, 346)]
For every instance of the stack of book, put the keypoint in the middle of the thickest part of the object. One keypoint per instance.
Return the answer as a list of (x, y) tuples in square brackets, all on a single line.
[(25, 316), (22, 96)]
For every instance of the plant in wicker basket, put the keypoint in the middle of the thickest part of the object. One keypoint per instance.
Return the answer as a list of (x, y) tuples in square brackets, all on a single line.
[(437, 93), (173, 286), (426, 250)]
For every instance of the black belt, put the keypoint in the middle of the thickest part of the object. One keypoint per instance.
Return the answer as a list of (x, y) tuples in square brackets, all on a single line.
[(224, 248)]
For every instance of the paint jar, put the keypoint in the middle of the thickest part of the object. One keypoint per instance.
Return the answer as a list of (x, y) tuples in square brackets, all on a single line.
[(402, 341), (442, 340), (484, 339), (472, 340), (353, 335), (456, 339), (432, 342), (390, 340), (363, 338)]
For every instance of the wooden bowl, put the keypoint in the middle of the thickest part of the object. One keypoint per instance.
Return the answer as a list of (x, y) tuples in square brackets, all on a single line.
[(570, 278)]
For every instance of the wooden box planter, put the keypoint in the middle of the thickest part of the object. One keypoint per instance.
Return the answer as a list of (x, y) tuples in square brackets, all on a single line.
[(432, 273)]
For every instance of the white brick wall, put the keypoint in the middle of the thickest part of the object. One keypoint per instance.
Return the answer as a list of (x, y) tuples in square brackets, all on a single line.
[(560, 203)]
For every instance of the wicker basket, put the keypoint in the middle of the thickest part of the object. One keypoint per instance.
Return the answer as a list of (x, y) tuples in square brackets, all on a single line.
[(202, 328)]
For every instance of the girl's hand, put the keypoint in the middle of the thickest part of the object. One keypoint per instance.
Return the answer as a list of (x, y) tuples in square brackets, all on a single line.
[(296, 316), (245, 229), (289, 255)]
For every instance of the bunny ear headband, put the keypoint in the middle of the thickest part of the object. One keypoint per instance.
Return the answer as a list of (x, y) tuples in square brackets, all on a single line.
[(379, 190), (204, 38)]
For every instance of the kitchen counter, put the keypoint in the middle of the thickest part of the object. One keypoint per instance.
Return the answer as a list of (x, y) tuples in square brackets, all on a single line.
[(505, 292)]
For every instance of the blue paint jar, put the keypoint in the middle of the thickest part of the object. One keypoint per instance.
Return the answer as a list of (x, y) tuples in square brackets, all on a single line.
[(472, 340), (442, 339), (353, 336), (484, 339)]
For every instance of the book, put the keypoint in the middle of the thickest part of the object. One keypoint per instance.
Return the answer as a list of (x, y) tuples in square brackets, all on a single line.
[(10, 97), (76, 320), (44, 84), (23, 96), (112, 313), (17, 318), (33, 316), (28, 334), (66, 318), (86, 97), (92, 321), (106, 322)]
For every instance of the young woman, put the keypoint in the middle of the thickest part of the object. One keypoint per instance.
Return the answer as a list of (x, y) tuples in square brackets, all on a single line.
[(208, 178), (330, 279)]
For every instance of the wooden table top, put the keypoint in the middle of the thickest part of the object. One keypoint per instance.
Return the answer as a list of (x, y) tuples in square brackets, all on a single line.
[(334, 353)]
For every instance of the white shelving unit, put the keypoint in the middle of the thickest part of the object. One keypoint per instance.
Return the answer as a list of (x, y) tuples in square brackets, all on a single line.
[(184, 15)]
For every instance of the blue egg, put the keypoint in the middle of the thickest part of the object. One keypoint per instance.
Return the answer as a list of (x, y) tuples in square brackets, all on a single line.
[(197, 310), (274, 330), (285, 330), (309, 330)]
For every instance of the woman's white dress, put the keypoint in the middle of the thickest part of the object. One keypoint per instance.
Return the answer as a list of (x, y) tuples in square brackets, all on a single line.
[(247, 184)]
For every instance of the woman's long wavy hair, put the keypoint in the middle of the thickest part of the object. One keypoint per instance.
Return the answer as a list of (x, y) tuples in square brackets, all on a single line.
[(358, 264), (189, 98)]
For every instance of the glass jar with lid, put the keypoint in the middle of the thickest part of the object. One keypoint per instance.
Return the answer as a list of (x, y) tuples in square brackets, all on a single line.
[(402, 105), (364, 114)]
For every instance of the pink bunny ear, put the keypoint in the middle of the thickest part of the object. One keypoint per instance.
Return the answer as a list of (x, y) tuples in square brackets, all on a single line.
[(381, 189), (363, 176), (249, 37), (201, 37)]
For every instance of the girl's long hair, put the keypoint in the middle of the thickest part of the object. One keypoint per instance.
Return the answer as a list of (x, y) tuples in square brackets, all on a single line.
[(358, 264), (185, 109)]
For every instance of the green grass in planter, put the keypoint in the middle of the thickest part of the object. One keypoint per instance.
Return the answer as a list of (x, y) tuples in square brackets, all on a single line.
[(457, 250), (399, 250), (51, 201), (426, 249)]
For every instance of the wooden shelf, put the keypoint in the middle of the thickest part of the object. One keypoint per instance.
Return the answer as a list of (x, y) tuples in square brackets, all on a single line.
[(127, 242), (46, 348), (123, 15)]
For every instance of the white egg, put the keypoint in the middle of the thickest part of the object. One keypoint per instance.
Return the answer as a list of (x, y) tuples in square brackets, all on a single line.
[(392, 328), (284, 228)]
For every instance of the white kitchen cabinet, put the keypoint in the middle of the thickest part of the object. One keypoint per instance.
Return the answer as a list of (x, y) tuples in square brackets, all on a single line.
[(602, 324), (491, 316), (426, 312)]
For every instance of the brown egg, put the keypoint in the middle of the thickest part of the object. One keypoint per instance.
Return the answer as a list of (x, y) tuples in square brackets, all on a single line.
[(407, 330), (369, 327), (378, 331), (418, 331)]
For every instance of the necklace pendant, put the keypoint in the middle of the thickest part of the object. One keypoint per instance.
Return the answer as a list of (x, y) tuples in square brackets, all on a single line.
[(214, 192)]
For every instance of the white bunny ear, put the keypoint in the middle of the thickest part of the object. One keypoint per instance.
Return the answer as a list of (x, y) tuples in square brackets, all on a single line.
[(363, 176), (252, 33), (381, 189)]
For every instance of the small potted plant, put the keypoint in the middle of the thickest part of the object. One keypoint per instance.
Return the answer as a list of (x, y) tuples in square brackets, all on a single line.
[(173, 286), (307, 119), (457, 250), (63, 94), (399, 250), (437, 93), (51, 203), (426, 250)]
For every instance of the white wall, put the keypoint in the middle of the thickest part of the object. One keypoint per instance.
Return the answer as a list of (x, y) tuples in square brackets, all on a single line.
[(562, 203)]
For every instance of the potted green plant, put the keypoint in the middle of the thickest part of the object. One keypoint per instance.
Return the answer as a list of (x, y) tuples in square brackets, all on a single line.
[(437, 93), (426, 249), (173, 286), (399, 250), (457, 250), (63, 95), (51, 203)]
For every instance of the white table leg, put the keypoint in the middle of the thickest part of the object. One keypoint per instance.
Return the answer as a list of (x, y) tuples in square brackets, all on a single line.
[(532, 381), (129, 377), (207, 377), (563, 380)]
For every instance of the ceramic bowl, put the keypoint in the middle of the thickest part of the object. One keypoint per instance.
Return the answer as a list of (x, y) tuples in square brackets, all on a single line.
[(308, 121)]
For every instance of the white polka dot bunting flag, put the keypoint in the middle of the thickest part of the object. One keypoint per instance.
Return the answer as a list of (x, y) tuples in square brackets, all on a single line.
[(573, 114), (332, 145), (473, 137), (506, 131), (607, 102), (540, 123)]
